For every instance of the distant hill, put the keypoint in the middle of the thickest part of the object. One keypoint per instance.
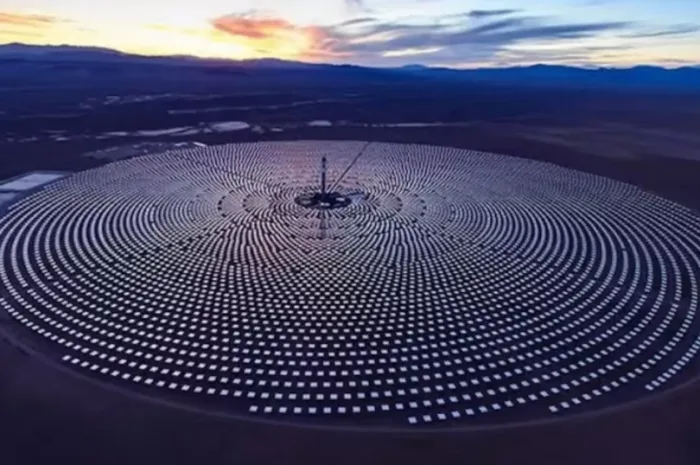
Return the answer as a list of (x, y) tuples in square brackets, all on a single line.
[(20, 61), (546, 75), (59, 52), (17, 51)]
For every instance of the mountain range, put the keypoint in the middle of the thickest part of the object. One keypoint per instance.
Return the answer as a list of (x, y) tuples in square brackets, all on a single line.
[(18, 61)]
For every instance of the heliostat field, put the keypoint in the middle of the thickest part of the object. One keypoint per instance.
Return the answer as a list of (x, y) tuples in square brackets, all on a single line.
[(448, 288)]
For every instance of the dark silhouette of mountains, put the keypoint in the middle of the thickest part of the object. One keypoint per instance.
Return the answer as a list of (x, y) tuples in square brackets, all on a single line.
[(20, 61), (635, 77), (63, 53)]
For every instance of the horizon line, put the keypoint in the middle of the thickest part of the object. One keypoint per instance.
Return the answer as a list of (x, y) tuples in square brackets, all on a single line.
[(312, 63)]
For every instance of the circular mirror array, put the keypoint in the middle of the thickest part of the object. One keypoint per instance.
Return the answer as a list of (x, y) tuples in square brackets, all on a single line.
[(456, 288)]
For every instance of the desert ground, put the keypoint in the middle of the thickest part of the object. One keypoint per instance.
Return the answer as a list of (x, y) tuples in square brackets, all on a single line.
[(51, 415)]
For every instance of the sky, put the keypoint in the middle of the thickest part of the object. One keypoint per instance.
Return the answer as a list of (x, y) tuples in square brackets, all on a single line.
[(454, 33)]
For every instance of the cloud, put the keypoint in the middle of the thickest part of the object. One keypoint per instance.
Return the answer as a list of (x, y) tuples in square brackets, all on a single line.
[(500, 25), (469, 36), (477, 36), (17, 27), (27, 20), (252, 28), (490, 13), (575, 54), (271, 36), (356, 21), (676, 30)]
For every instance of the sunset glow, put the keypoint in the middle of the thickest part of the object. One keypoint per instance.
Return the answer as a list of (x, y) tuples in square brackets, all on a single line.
[(373, 32)]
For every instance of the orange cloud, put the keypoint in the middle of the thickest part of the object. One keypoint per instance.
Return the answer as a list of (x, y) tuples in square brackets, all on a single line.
[(277, 36), (28, 20), (15, 27), (264, 28)]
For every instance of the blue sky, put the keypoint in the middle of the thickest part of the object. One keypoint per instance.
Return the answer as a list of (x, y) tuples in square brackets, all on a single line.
[(459, 33)]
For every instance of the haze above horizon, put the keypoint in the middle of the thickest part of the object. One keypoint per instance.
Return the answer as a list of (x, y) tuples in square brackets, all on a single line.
[(454, 33)]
